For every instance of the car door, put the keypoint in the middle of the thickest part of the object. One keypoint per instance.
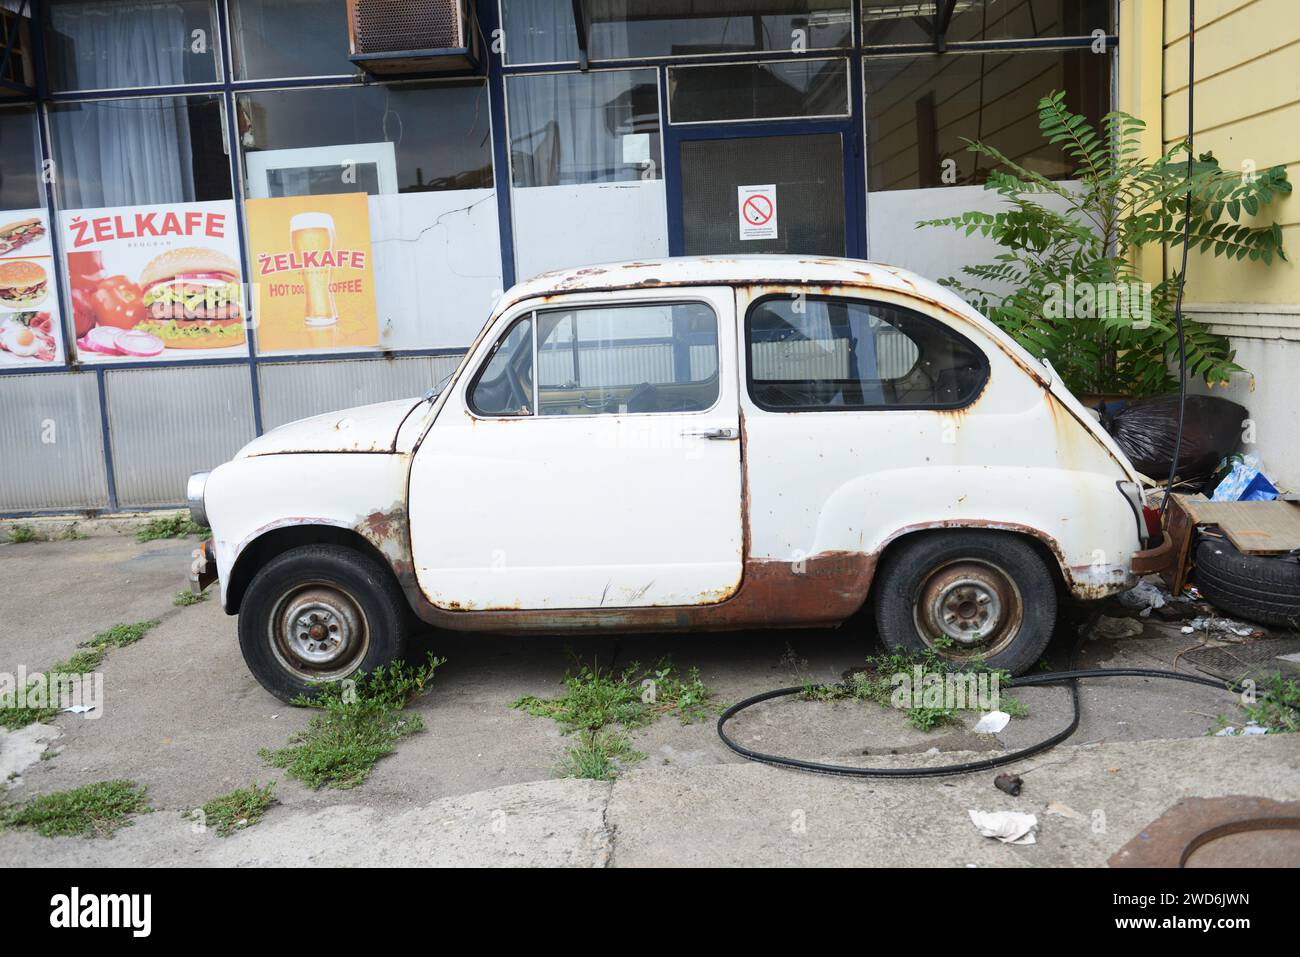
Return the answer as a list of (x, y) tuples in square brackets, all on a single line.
[(587, 457)]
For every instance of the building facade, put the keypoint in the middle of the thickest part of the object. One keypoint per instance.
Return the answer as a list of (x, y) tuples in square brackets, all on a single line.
[(240, 222)]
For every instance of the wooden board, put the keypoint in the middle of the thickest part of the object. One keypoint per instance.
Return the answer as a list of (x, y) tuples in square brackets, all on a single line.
[(1256, 528)]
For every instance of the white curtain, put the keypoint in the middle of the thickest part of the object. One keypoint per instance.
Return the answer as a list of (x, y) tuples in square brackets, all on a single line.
[(126, 151), (568, 128)]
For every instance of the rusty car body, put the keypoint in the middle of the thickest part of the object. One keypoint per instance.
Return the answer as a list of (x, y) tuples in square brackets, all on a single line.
[(694, 443)]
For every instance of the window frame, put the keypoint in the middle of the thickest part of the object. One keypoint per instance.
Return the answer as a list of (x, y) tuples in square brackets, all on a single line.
[(529, 316), (531, 312), (912, 309)]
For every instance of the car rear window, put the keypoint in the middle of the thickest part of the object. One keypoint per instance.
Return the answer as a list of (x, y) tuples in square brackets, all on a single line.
[(809, 353)]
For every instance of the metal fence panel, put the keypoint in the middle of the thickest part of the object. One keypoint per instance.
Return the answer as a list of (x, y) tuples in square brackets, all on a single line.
[(51, 443), (166, 423), (296, 390)]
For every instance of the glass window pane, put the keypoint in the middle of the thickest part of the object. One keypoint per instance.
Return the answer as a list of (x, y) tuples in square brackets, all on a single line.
[(627, 359), (599, 127), (286, 38), (139, 151), (920, 110), (374, 139), (542, 31), (20, 159), (824, 353), (756, 91), (891, 21), (505, 384), (117, 44), (806, 173)]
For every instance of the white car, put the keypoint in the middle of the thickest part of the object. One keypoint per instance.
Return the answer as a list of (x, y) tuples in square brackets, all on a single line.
[(685, 444)]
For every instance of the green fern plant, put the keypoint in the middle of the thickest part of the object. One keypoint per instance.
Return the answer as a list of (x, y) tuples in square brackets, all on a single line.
[(1059, 240)]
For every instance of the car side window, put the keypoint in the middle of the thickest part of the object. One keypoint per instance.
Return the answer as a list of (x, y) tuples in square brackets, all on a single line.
[(610, 360), (504, 385), (825, 353)]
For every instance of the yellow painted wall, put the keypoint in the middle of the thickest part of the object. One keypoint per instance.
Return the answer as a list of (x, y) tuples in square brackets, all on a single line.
[(1247, 108)]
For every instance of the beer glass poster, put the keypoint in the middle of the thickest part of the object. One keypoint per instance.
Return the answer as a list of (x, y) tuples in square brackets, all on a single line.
[(313, 282), (29, 308), (155, 282)]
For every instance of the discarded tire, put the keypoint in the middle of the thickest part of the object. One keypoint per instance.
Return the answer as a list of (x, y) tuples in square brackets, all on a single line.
[(1255, 587)]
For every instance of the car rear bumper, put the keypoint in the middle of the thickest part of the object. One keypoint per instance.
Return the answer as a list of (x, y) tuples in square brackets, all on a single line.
[(1155, 559)]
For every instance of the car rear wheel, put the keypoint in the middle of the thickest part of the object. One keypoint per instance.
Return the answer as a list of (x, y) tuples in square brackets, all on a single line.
[(320, 613), (970, 596)]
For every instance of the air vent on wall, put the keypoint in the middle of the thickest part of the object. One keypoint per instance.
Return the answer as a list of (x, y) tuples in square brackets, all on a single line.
[(394, 37)]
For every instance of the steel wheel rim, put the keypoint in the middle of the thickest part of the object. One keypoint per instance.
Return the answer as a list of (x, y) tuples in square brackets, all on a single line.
[(318, 632), (968, 608)]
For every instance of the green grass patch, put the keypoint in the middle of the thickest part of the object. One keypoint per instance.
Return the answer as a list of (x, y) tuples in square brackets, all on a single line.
[(361, 721), (601, 707), (1276, 707), (171, 526), (119, 636), (183, 599), (88, 658), (239, 809), (81, 662), (21, 533), (94, 810), (877, 682), (72, 533)]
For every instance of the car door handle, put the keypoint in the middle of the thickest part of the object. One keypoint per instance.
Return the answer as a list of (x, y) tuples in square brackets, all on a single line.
[(718, 435)]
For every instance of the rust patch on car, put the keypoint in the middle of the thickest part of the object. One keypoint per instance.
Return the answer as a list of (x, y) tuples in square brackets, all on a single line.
[(824, 589)]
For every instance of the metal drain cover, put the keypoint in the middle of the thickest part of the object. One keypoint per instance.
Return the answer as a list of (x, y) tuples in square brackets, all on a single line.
[(1236, 831), (1253, 659)]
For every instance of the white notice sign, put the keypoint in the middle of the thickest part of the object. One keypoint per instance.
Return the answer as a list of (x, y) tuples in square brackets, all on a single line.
[(757, 211)]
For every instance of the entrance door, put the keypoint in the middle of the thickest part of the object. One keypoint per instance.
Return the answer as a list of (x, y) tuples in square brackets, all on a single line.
[(763, 158), (742, 190)]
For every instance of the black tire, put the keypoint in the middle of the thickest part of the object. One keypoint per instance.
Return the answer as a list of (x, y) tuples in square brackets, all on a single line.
[(360, 618), (1254, 587), (966, 572)]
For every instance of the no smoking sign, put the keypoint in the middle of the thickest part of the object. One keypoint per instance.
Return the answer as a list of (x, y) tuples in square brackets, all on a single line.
[(757, 208)]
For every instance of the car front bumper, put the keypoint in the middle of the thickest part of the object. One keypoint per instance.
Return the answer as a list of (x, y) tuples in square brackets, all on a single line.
[(203, 570)]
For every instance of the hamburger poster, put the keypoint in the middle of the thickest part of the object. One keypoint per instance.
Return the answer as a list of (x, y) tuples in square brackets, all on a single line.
[(29, 309), (313, 280), (155, 282)]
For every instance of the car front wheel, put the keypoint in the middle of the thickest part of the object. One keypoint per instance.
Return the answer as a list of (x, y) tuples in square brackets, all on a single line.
[(970, 596), (320, 613)]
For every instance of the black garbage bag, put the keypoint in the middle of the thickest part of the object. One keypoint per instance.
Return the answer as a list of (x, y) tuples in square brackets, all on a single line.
[(1147, 428)]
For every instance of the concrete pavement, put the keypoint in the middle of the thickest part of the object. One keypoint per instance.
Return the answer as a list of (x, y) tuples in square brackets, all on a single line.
[(183, 716)]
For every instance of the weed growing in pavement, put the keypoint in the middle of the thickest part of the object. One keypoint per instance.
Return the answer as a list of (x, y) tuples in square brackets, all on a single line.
[(361, 722), (21, 533), (93, 810), (602, 707), (239, 809), (11, 717), (183, 599), (1276, 707), (119, 636), (171, 526), (905, 681)]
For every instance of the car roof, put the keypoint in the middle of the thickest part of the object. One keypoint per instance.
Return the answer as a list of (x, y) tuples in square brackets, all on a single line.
[(735, 271)]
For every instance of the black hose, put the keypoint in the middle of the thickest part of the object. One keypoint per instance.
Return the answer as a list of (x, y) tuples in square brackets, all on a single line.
[(1050, 678)]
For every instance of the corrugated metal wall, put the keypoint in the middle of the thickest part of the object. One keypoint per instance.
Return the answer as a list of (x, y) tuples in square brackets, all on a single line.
[(52, 442), (295, 390), (166, 423)]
